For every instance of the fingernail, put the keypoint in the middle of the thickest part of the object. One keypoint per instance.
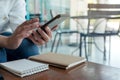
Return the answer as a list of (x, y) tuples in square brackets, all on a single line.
[(37, 25)]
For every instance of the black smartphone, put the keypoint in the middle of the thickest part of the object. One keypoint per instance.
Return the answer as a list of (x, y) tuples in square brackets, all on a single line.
[(55, 20)]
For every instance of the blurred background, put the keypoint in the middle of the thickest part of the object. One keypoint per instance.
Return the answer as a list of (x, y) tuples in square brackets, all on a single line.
[(69, 43)]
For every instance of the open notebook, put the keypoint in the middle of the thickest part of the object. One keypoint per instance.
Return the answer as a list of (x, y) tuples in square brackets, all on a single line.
[(59, 60), (24, 67)]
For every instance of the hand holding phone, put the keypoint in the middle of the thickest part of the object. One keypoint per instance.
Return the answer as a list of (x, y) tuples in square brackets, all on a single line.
[(54, 22)]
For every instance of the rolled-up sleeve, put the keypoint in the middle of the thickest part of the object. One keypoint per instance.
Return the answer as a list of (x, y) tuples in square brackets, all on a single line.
[(17, 14)]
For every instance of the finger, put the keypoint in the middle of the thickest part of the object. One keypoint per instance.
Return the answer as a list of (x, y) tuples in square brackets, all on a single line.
[(38, 37), (43, 35), (31, 21), (32, 39), (32, 26), (48, 31)]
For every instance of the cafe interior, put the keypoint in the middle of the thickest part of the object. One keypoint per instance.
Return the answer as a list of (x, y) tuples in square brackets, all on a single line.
[(91, 31)]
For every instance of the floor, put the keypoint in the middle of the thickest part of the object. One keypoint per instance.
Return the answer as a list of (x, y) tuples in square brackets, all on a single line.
[(113, 59)]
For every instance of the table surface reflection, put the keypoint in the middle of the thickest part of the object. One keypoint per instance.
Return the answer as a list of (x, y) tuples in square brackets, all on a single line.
[(85, 71)]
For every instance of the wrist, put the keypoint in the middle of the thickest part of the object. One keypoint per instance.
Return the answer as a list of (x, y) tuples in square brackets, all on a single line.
[(13, 42)]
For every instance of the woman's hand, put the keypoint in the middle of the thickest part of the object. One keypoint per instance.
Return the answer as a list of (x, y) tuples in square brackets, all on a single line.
[(23, 31), (40, 36)]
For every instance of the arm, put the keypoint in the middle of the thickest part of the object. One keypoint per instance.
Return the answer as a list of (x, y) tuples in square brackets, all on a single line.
[(17, 14), (22, 31), (3, 41)]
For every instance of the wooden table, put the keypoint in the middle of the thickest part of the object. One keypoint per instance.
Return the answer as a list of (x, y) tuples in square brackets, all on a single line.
[(86, 71)]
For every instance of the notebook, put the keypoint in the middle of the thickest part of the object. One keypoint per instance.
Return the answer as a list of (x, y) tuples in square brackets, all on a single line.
[(24, 67), (59, 60)]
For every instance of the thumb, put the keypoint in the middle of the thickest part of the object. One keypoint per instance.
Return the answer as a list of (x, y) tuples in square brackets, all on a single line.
[(31, 21)]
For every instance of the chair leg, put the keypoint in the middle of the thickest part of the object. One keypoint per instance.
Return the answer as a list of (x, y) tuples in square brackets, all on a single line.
[(80, 46), (58, 42), (104, 55), (75, 51), (53, 44), (85, 48), (109, 47), (90, 42)]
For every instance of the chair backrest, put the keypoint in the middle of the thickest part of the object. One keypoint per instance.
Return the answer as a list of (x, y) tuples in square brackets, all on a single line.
[(100, 11), (105, 10)]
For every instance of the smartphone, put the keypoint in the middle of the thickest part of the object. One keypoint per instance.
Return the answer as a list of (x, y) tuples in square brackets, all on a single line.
[(55, 21)]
